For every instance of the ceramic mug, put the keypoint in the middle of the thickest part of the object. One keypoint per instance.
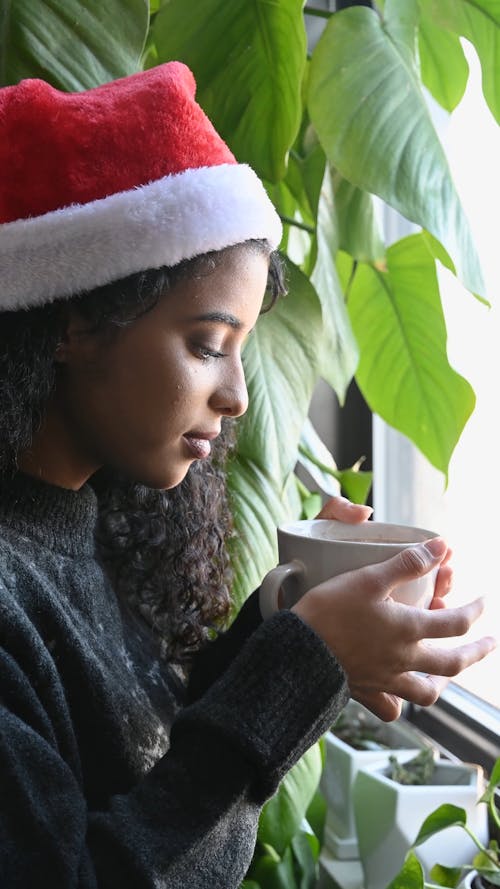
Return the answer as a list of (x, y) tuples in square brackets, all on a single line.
[(311, 551)]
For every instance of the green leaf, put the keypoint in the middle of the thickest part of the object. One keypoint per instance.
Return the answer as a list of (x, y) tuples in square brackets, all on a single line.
[(305, 848), (304, 178), (355, 483), (281, 368), (288, 208), (249, 884), (367, 106), (248, 60), (493, 783), (411, 875), (479, 22), (316, 815), (283, 814), (359, 232), (270, 873), (338, 353), (404, 373), (401, 22), (442, 817), (311, 505), (72, 45), (260, 502), (444, 68), (315, 457), (445, 876), (313, 166)]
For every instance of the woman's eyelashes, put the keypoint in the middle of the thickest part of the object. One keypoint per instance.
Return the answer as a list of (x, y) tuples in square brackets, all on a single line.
[(205, 352)]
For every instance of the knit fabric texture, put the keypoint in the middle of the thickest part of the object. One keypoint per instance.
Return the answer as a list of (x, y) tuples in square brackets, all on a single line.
[(113, 773)]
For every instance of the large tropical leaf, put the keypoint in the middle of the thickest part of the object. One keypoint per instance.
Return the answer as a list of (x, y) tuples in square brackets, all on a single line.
[(283, 813), (479, 22), (371, 116), (404, 372), (281, 367), (259, 504), (73, 45), (337, 351), (444, 68), (248, 59), (359, 228)]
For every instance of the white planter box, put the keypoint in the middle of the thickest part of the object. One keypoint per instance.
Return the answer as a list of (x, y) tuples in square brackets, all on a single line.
[(341, 767), (466, 883), (389, 815)]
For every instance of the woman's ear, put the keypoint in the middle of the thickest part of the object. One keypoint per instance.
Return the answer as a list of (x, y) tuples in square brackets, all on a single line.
[(74, 336)]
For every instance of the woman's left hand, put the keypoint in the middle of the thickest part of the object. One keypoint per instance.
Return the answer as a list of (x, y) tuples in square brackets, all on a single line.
[(385, 706), (341, 509)]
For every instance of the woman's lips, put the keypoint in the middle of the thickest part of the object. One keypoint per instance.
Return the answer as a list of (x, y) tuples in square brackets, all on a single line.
[(199, 447)]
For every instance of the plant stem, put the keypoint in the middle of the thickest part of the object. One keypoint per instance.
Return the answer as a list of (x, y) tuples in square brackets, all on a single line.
[(491, 856), (289, 221), (319, 13), (494, 811), (303, 491), (318, 463), (351, 279)]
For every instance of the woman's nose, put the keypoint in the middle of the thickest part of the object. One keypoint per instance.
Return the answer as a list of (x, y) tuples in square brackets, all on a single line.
[(231, 396)]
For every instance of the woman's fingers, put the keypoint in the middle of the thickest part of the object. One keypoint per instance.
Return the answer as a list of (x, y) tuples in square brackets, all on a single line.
[(379, 580), (445, 622), (341, 509), (383, 645), (451, 662), (421, 689), (444, 582), (386, 706)]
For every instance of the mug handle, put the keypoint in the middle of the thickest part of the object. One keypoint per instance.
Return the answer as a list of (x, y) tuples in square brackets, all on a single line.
[(271, 585)]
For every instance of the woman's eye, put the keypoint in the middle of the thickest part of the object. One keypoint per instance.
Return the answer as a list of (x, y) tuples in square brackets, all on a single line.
[(205, 353)]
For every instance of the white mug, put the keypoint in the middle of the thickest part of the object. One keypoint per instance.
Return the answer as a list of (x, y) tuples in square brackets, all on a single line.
[(311, 551)]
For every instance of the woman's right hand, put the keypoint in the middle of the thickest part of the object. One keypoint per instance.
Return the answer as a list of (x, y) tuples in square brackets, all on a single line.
[(380, 643)]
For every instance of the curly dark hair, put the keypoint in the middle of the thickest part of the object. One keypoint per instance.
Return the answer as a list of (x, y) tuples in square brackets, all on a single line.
[(165, 551)]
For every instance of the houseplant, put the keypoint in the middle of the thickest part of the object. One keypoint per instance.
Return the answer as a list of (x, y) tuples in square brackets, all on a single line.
[(358, 739), (388, 814), (483, 869)]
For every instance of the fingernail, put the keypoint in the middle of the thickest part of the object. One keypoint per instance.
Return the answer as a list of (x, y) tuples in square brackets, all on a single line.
[(358, 506), (436, 546)]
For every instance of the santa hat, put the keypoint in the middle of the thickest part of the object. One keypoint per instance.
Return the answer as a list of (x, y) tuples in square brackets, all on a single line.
[(125, 177)]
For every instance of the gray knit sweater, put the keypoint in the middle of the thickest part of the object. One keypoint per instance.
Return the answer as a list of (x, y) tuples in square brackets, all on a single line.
[(112, 774)]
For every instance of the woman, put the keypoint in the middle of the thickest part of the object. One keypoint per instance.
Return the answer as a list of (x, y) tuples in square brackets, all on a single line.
[(135, 255)]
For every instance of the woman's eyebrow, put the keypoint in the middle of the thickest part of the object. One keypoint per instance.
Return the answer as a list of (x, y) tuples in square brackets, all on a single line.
[(221, 318)]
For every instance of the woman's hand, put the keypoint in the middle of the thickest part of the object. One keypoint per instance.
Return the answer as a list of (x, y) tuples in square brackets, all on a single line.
[(380, 643), (343, 510)]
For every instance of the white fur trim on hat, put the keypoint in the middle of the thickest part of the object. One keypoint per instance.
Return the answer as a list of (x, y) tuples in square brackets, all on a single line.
[(84, 246)]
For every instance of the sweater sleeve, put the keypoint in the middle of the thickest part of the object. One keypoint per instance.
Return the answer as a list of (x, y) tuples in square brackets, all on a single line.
[(191, 821), (214, 658)]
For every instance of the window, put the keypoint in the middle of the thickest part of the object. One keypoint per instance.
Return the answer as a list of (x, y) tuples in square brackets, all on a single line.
[(406, 487)]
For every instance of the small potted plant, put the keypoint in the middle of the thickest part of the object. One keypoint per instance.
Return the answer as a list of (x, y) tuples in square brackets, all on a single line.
[(389, 807), (356, 740), (483, 869)]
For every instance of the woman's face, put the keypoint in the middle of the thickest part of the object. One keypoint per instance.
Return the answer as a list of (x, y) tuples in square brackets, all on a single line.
[(149, 401)]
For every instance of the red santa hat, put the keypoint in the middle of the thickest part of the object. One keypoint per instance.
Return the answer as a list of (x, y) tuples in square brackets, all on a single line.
[(125, 177)]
